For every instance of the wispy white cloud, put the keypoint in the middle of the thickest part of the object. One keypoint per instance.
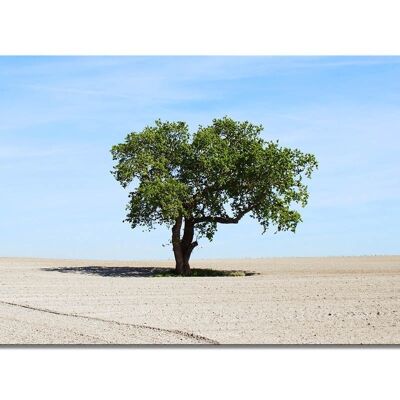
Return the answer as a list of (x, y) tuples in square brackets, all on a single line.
[(16, 152)]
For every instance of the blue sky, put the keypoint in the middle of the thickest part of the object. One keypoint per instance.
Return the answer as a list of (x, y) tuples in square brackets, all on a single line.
[(59, 117)]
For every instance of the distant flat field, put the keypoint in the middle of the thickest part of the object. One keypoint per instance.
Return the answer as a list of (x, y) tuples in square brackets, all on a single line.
[(326, 300)]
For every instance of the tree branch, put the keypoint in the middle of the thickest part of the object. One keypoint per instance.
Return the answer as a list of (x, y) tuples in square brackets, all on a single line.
[(230, 220), (224, 219)]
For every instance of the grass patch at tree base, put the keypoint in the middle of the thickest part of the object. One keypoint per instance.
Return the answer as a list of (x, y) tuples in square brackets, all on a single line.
[(203, 272)]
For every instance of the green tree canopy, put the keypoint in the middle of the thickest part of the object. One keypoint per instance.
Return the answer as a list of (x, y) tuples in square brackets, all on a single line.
[(214, 176)]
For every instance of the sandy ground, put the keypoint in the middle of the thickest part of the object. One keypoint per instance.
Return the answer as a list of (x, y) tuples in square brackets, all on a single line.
[(333, 300)]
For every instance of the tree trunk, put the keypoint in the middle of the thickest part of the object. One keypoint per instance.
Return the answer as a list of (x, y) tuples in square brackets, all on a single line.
[(176, 246), (186, 258), (183, 247)]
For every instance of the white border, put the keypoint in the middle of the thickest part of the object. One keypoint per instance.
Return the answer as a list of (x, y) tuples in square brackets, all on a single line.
[(166, 373), (283, 27)]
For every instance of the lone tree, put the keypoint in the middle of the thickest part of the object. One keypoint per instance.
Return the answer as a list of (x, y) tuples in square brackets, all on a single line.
[(215, 176)]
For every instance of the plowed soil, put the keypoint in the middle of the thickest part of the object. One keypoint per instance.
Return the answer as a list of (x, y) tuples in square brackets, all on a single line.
[(332, 300)]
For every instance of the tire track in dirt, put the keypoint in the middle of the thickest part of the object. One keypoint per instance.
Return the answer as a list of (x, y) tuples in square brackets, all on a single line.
[(96, 338), (200, 339)]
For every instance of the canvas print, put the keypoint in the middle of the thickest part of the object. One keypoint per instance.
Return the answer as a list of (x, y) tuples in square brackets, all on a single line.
[(199, 200)]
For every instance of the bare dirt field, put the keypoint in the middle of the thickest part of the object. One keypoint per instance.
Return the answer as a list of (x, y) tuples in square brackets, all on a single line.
[(332, 300)]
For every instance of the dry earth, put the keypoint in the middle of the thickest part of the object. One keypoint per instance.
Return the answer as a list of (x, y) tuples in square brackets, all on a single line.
[(333, 300)]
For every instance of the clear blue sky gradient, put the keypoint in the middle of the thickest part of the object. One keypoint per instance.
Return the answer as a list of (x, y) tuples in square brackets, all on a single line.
[(59, 117)]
